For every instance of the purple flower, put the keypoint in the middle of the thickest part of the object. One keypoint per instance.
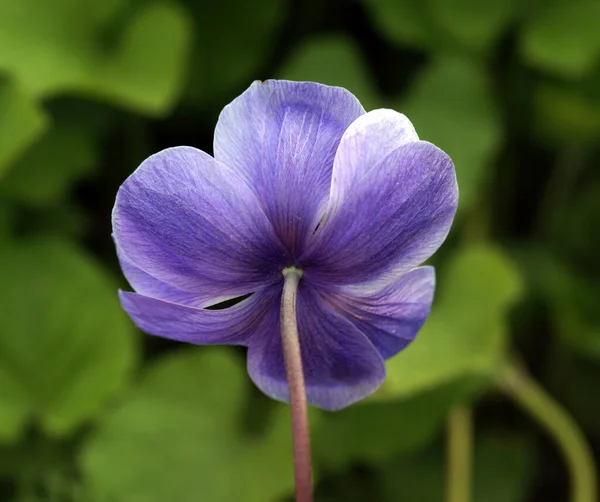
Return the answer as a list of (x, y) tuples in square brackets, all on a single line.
[(301, 176)]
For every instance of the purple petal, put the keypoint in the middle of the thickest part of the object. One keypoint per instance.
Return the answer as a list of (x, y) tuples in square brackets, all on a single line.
[(370, 138), (390, 315), (185, 220), (393, 219), (341, 365), (281, 137), (233, 325), (147, 285)]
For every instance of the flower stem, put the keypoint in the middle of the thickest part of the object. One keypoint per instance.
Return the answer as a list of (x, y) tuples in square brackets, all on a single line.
[(295, 377), (515, 382), (460, 445)]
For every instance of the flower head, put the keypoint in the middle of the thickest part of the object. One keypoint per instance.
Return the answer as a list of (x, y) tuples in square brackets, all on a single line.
[(301, 177)]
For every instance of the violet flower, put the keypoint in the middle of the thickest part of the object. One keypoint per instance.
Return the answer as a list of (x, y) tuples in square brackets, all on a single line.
[(301, 177)]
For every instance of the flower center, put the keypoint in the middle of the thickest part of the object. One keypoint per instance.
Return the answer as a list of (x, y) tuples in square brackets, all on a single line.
[(292, 270)]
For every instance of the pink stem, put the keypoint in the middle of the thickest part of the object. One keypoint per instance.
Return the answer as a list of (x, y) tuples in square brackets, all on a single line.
[(295, 377)]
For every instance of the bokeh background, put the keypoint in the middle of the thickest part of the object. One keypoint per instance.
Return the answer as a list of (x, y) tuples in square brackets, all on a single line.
[(91, 410)]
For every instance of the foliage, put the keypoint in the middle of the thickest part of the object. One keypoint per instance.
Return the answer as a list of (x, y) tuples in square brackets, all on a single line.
[(91, 411), (66, 347)]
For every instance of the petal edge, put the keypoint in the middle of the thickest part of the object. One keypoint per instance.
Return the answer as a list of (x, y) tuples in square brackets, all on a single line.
[(391, 222)]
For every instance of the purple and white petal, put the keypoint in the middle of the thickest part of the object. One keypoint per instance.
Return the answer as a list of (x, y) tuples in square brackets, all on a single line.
[(281, 137), (230, 326), (341, 365), (188, 221), (368, 140), (392, 221), (390, 315)]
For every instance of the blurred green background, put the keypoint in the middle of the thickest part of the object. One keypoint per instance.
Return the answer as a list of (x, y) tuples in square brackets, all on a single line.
[(91, 410)]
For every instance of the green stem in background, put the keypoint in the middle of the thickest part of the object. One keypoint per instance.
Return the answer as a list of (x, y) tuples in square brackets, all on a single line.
[(295, 377), (515, 382), (460, 454)]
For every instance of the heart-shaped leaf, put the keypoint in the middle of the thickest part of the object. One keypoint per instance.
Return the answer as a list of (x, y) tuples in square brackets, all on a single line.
[(451, 105), (21, 122), (562, 36), (65, 345), (178, 437), (57, 46), (465, 333)]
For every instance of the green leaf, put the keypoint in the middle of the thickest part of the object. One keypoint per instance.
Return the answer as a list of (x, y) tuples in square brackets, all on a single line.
[(332, 60), (264, 467), (43, 175), (57, 46), (562, 36), (67, 152), (403, 21), (459, 25), (465, 333), (503, 469), (186, 413), (66, 347), (451, 105), (393, 427), (21, 122), (243, 43), (47, 45), (475, 24), (147, 71)]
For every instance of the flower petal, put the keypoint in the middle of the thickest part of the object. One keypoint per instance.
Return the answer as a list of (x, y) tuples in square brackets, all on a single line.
[(341, 366), (232, 326), (191, 223), (147, 285), (393, 219), (281, 137), (370, 138), (392, 314)]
